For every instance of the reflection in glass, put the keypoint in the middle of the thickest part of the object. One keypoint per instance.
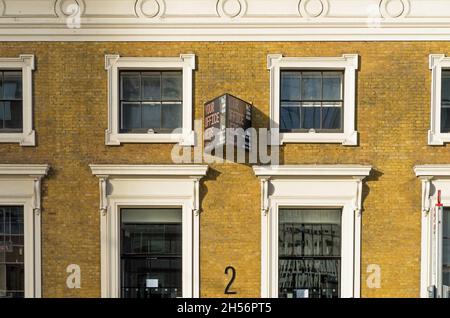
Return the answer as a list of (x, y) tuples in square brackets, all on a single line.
[(290, 115), (171, 116), (309, 253), (131, 115), (11, 101), (151, 86), (446, 248), (171, 83), (154, 99), (11, 252), (445, 102), (318, 94), (151, 253)]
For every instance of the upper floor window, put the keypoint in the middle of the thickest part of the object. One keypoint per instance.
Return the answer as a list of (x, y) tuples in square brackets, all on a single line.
[(312, 99), (150, 99), (11, 101), (16, 100), (445, 102)]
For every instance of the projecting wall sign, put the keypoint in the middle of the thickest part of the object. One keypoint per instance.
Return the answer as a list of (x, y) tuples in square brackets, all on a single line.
[(227, 111)]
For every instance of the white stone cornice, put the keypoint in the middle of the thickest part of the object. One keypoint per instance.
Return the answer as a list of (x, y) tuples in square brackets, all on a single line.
[(432, 171), (358, 171), (224, 20), (192, 171), (28, 170)]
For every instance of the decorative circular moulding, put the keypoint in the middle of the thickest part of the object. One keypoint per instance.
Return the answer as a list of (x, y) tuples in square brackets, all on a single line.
[(394, 8), (2, 8), (66, 8), (231, 8), (313, 8), (149, 8)]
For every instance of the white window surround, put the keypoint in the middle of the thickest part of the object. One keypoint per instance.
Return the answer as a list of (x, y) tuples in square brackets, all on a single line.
[(433, 178), (149, 186), (21, 185), (114, 63), (437, 63), (24, 63), (348, 63), (312, 186)]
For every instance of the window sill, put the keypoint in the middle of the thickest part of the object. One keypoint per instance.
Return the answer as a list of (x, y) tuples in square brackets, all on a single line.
[(346, 139), (438, 138), (23, 138), (116, 139)]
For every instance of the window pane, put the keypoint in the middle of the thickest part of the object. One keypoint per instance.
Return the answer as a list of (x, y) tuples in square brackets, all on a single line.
[(11, 252), (290, 116), (13, 114), (151, 116), (131, 86), (171, 116), (290, 86), (2, 116), (312, 86), (445, 90), (310, 115), (309, 253), (131, 115), (446, 248), (12, 85), (1, 85), (172, 86), (331, 118), (332, 86), (445, 118), (151, 253), (151, 82)]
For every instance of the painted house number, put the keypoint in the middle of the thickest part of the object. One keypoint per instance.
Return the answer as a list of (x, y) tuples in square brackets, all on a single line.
[(233, 276)]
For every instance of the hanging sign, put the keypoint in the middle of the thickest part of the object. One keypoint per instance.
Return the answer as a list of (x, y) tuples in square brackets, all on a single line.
[(226, 117)]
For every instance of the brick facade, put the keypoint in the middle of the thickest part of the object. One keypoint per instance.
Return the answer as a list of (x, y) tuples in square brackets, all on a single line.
[(70, 118)]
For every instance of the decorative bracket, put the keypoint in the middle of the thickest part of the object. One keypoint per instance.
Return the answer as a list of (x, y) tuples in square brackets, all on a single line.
[(265, 195), (358, 197), (426, 189), (103, 181), (196, 198), (37, 195)]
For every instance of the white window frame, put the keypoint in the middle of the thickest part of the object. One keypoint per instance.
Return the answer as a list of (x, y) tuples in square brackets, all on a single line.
[(24, 63), (20, 185), (438, 62), (433, 178), (123, 186), (115, 63), (347, 63), (312, 186)]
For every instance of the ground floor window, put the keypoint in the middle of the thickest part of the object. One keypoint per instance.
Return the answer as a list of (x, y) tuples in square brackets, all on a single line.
[(12, 271), (309, 251), (446, 248), (151, 253)]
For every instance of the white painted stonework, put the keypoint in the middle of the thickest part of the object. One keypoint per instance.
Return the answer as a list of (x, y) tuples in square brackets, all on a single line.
[(348, 63), (115, 63), (149, 186), (20, 185), (25, 64), (222, 20), (434, 178), (318, 186)]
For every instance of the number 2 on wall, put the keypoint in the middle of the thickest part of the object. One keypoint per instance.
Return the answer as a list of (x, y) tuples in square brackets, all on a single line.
[(233, 276)]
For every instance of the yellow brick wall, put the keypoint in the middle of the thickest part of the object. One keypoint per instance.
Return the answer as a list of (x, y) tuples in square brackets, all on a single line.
[(70, 117)]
